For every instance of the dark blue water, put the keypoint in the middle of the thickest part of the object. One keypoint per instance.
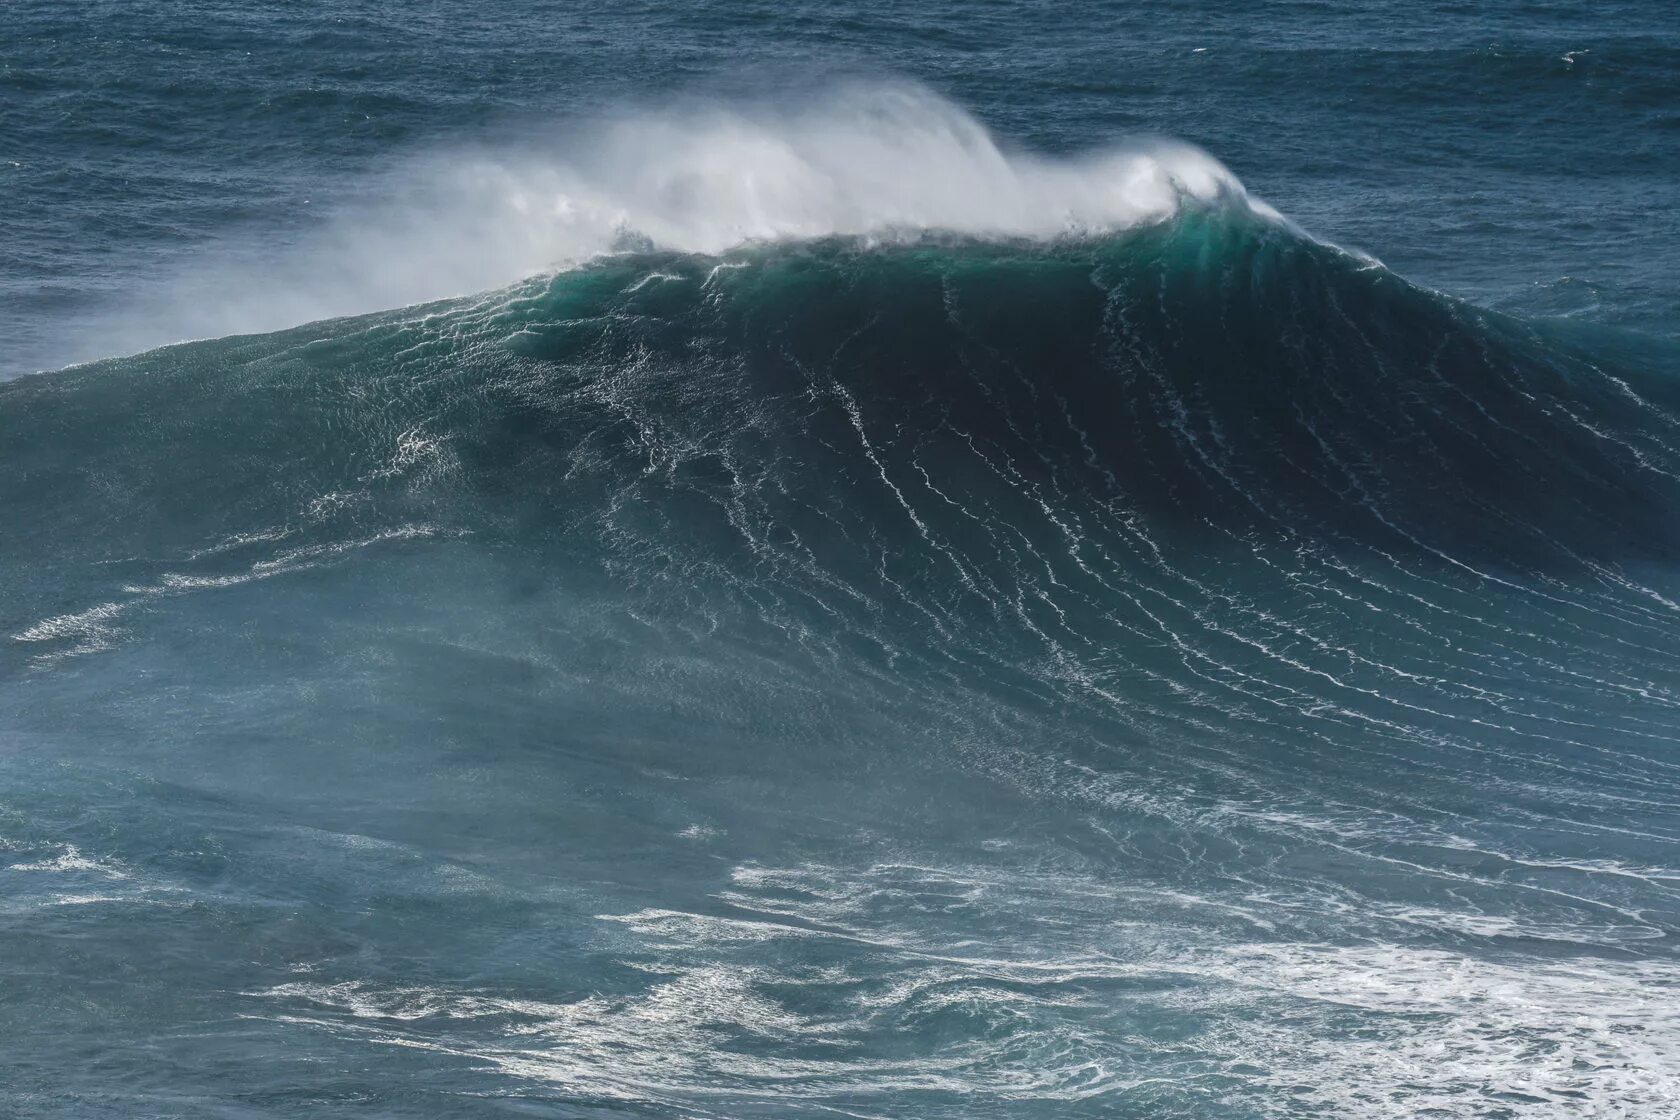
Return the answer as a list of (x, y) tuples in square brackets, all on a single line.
[(723, 561)]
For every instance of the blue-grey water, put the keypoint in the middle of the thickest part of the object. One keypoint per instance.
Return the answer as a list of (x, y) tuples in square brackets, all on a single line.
[(942, 560)]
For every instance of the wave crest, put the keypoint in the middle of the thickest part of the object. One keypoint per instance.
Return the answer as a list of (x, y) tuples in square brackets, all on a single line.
[(868, 161), (881, 161)]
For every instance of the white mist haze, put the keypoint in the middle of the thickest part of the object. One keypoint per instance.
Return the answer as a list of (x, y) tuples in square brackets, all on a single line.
[(882, 160)]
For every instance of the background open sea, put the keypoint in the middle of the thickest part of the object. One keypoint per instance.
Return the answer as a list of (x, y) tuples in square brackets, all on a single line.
[(791, 560)]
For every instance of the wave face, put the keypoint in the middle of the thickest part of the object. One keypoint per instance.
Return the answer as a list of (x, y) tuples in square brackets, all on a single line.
[(1175, 670)]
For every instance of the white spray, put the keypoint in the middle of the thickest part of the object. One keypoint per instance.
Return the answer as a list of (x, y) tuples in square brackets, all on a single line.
[(880, 161)]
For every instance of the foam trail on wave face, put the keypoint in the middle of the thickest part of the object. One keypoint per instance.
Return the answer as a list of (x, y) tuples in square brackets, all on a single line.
[(886, 161)]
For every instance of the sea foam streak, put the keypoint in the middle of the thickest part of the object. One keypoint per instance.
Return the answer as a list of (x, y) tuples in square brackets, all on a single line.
[(887, 161)]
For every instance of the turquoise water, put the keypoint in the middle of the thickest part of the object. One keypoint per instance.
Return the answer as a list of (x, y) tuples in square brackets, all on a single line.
[(1000, 560)]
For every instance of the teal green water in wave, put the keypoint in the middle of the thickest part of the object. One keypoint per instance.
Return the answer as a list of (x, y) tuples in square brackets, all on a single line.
[(899, 597)]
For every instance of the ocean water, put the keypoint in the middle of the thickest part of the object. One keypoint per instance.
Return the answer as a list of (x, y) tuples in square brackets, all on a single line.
[(721, 561)]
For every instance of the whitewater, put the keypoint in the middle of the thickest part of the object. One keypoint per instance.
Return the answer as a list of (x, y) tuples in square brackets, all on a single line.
[(740, 606)]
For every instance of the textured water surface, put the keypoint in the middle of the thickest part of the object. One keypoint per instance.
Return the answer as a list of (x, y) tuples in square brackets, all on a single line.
[(733, 562)]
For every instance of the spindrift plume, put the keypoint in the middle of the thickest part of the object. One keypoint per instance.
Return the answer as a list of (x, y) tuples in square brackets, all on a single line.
[(886, 161)]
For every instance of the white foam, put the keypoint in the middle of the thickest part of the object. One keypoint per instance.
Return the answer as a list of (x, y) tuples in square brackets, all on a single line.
[(823, 963), (1382, 1031), (71, 859), (882, 161), (94, 630)]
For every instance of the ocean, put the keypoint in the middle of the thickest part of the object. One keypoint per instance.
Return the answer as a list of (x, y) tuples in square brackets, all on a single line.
[(701, 560)]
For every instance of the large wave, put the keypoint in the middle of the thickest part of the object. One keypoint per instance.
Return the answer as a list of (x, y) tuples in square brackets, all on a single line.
[(1075, 638)]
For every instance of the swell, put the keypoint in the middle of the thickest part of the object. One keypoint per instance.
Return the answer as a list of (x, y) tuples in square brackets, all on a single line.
[(1216, 373), (1208, 458)]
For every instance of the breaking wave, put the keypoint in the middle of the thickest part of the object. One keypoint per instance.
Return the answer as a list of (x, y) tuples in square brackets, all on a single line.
[(990, 631)]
